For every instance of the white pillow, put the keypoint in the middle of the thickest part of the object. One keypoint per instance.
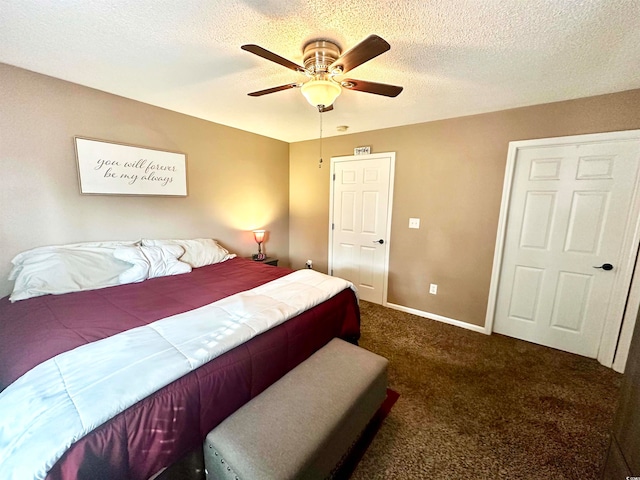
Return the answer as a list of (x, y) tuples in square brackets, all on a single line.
[(30, 256), (197, 252), (66, 268), (153, 261), (164, 260), (140, 266)]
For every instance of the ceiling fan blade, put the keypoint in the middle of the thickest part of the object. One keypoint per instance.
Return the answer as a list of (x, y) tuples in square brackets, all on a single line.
[(261, 52), (369, 48), (274, 89), (325, 109), (372, 87)]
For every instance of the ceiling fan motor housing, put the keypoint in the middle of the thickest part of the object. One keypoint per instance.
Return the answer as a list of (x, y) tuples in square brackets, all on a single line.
[(319, 54)]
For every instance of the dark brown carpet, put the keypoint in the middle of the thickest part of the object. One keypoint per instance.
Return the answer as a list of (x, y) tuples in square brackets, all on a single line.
[(484, 407)]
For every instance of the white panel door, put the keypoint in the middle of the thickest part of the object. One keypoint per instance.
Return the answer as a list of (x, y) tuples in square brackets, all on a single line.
[(360, 215), (568, 216)]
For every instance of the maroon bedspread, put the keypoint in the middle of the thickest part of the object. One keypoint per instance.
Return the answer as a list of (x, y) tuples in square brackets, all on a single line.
[(158, 430)]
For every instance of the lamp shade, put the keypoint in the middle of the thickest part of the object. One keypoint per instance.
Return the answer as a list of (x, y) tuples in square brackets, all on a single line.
[(321, 92), (258, 235)]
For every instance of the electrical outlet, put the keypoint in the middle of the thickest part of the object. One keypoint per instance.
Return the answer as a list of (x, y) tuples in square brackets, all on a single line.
[(414, 223), (433, 289)]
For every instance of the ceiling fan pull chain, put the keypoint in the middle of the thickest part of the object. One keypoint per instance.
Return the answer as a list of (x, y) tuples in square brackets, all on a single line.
[(320, 113)]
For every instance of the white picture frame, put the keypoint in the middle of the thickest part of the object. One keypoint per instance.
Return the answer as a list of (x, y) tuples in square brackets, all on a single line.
[(110, 168)]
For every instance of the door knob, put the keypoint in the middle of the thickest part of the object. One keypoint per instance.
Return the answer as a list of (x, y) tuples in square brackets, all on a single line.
[(381, 241), (605, 266)]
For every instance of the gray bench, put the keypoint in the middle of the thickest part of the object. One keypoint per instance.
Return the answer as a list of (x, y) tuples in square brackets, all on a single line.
[(302, 425)]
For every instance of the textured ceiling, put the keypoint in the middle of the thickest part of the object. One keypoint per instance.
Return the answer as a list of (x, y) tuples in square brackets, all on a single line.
[(453, 57)]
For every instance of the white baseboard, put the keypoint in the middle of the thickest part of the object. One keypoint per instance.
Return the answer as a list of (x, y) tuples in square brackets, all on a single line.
[(438, 318)]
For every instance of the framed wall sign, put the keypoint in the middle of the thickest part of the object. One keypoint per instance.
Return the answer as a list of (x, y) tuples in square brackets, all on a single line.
[(362, 150), (108, 168)]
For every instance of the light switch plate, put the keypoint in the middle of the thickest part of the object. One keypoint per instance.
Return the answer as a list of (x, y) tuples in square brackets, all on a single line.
[(414, 223)]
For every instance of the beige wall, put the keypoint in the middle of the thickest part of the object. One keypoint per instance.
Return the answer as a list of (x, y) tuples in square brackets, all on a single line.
[(237, 181), (449, 174)]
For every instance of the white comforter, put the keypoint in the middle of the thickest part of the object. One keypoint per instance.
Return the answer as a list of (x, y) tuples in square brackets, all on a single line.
[(61, 400)]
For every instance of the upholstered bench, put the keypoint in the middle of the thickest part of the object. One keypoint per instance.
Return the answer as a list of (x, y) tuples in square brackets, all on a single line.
[(301, 426)]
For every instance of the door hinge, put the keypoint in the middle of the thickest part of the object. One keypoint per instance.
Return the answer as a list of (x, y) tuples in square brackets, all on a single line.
[(333, 226), (334, 177)]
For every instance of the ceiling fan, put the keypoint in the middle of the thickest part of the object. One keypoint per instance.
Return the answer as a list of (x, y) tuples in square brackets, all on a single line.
[(323, 61)]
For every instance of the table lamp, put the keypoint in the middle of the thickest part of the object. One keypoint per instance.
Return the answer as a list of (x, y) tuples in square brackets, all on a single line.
[(259, 237)]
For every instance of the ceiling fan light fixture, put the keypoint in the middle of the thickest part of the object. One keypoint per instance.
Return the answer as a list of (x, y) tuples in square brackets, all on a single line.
[(321, 92)]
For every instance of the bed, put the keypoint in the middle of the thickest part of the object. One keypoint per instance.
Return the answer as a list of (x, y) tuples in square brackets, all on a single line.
[(158, 430)]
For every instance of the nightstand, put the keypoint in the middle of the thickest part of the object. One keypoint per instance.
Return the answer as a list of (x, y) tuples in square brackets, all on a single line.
[(269, 261)]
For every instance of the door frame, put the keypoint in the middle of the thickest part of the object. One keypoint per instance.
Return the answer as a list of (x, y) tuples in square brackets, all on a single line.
[(392, 170), (625, 281)]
